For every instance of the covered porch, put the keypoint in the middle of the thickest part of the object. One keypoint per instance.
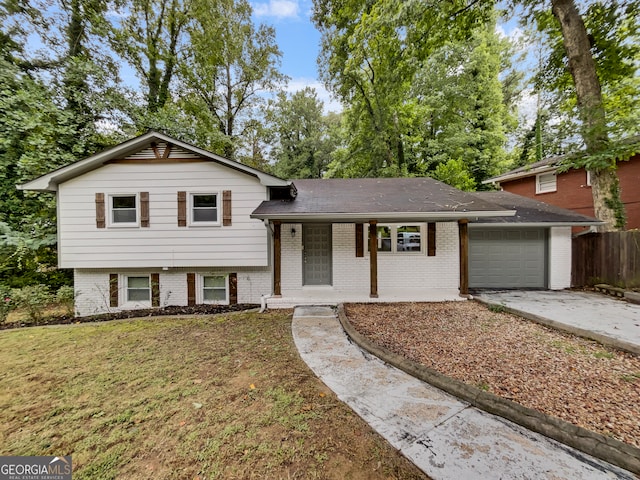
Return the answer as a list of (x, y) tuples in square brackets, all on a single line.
[(371, 240)]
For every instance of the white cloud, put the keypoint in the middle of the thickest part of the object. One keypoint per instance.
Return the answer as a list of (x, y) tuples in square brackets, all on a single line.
[(330, 103), (514, 34), (277, 8)]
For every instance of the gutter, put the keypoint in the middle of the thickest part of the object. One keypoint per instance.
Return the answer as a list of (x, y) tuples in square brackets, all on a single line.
[(382, 216)]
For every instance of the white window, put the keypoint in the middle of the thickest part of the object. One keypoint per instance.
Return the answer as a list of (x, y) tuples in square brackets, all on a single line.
[(204, 209), (123, 210), (546, 182), (138, 289), (215, 289), (399, 238)]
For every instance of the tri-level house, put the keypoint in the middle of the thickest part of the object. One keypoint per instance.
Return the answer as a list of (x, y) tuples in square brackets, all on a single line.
[(155, 221)]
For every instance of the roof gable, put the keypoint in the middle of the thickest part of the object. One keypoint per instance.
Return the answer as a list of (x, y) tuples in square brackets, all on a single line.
[(150, 147)]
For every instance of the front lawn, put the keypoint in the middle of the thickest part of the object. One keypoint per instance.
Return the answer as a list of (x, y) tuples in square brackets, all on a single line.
[(200, 397)]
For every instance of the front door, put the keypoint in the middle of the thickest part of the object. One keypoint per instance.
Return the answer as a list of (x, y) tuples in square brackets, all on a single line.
[(316, 254)]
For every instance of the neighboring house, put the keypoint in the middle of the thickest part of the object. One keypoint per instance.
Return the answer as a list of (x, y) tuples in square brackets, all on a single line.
[(572, 189), (155, 222)]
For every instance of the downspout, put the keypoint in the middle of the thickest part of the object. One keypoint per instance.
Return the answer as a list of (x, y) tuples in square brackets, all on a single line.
[(263, 302)]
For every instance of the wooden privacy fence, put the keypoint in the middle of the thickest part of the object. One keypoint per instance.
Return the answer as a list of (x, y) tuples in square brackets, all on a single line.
[(611, 257)]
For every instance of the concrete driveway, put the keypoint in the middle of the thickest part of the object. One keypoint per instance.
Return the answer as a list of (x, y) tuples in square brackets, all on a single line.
[(594, 315)]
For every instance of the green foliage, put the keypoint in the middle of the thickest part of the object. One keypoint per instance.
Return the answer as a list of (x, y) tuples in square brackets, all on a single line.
[(455, 173), (416, 94), (304, 137), (149, 37), (7, 304), (33, 298), (65, 297), (613, 28), (229, 64)]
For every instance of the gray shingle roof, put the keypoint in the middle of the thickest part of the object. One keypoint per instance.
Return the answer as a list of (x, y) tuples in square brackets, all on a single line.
[(530, 211), (362, 199)]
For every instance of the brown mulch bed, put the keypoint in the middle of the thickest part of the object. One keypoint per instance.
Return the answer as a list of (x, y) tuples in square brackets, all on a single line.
[(577, 380), (148, 312)]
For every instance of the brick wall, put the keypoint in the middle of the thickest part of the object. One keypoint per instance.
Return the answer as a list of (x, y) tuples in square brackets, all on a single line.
[(574, 193), (351, 274), (92, 287)]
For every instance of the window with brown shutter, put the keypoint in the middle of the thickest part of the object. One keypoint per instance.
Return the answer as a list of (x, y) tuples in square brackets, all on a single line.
[(144, 209), (182, 210), (155, 289), (191, 289), (226, 208), (100, 210), (431, 239), (113, 289), (359, 240)]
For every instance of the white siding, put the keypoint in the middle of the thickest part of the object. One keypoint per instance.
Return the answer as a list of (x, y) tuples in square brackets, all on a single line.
[(92, 287), (559, 258), (417, 274), (163, 243)]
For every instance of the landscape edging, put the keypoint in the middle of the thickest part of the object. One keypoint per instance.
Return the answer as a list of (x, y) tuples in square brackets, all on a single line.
[(605, 448)]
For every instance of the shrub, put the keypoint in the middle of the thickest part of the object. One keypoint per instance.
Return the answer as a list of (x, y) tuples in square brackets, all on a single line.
[(65, 297), (6, 303), (33, 298)]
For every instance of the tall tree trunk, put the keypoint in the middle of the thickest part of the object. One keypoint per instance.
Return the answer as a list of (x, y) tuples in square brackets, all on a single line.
[(605, 185)]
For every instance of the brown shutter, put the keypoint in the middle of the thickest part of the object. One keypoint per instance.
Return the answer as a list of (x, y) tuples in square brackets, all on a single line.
[(182, 209), (100, 223), (226, 208), (155, 289), (359, 240), (233, 288), (113, 289), (431, 239), (144, 209), (191, 289)]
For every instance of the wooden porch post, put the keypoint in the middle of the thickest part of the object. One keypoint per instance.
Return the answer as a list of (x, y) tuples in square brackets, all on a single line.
[(373, 258), (463, 230), (277, 258)]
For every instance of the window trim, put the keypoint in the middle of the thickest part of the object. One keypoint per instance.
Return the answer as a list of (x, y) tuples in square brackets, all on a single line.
[(539, 176), (110, 210), (191, 207), (125, 302), (200, 289), (393, 227)]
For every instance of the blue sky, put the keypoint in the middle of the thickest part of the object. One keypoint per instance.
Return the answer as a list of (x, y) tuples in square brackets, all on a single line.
[(299, 42)]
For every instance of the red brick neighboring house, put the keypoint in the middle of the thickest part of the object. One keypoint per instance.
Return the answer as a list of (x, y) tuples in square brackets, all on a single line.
[(572, 189)]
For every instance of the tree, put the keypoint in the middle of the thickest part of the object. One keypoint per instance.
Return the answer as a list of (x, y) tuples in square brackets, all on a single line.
[(229, 64), (149, 38), (461, 100), (302, 136), (388, 60), (591, 53)]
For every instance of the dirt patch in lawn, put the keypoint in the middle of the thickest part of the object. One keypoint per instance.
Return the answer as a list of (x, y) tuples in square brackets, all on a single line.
[(577, 380), (206, 397)]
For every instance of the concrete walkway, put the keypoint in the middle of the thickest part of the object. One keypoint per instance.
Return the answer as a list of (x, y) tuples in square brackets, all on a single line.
[(442, 435), (594, 315)]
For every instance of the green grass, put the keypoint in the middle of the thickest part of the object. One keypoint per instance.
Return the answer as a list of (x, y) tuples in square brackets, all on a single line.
[(207, 397)]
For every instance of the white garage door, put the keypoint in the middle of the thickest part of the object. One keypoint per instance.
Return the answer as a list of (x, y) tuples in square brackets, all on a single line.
[(507, 258)]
